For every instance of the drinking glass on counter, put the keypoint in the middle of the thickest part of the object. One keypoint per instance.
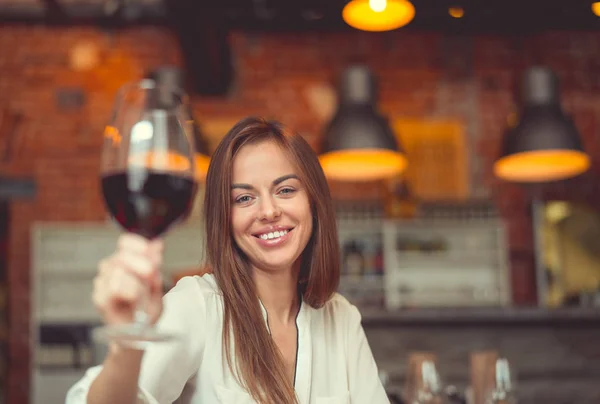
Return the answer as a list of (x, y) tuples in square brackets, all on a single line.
[(501, 391), (425, 385), (147, 177)]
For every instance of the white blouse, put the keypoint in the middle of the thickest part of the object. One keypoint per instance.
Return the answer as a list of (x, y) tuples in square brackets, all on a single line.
[(334, 361)]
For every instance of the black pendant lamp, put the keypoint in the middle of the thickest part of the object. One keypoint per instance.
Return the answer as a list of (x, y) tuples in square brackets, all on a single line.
[(172, 77), (359, 144), (544, 145)]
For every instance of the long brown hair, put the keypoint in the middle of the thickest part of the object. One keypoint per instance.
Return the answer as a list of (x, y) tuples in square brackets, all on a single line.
[(259, 364)]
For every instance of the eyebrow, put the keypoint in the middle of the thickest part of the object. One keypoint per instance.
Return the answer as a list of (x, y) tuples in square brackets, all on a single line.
[(276, 181)]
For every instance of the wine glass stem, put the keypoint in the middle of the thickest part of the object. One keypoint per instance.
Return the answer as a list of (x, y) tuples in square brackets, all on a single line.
[(141, 317)]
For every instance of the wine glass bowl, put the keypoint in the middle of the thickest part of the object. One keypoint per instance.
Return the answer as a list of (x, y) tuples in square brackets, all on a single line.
[(148, 201)]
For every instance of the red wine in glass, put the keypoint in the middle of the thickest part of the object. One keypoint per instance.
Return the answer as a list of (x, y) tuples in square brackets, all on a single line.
[(147, 179), (148, 202)]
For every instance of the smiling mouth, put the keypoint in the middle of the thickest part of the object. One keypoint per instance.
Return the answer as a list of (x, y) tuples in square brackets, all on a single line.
[(272, 235)]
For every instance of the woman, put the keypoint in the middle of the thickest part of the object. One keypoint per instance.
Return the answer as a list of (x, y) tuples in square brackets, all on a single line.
[(266, 326)]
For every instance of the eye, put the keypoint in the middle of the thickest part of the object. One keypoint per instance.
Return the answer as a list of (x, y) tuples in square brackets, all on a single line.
[(286, 191), (243, 199)]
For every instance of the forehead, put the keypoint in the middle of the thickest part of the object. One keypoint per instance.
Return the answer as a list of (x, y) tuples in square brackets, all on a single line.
[(265, 160)]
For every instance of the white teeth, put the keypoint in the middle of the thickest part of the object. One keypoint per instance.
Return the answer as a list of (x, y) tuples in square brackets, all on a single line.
[(272, 235)]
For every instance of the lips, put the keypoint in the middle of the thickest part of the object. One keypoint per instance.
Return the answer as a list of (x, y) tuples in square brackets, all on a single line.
[(273, 237), (270, 234)]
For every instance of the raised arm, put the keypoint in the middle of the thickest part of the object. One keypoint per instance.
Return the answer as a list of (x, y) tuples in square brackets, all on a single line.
[(158, 374)]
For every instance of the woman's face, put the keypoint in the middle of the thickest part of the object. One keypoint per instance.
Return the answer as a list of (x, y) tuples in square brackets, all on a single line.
[(271, 215)]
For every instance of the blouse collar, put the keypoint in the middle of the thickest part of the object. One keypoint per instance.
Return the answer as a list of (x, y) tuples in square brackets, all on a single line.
[(300, 316)]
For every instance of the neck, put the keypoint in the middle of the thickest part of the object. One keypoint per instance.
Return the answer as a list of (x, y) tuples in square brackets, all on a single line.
[(278, 292)]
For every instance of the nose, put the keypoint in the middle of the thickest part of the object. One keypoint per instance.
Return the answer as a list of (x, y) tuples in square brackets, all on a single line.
[(269, 210)]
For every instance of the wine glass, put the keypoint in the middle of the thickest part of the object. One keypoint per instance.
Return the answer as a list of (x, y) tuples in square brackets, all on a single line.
[(425, 384), (430, 391), (502, 390), (147, 178)]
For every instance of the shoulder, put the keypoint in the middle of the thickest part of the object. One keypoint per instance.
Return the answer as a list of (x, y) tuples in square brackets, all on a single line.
[(205, 285), (187, 303), (340, 304), (341, 310), (192, 291)]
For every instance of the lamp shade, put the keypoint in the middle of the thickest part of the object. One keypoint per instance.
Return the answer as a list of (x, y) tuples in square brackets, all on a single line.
[(378, 15), (358, 144), (172, 77), (544, 145)]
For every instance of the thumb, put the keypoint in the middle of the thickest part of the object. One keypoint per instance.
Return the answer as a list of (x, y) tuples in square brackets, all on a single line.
[(155, 252), (156, 284)]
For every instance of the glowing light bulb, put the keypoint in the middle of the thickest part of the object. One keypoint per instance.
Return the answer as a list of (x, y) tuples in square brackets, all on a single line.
[(596, 8), (378, 5), (143, 130), (456, 12)]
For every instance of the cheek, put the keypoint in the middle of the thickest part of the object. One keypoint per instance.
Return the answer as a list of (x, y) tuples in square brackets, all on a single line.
[(239, 222), (307, 219)]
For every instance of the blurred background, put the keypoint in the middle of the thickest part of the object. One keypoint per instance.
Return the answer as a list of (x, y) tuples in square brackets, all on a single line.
[(476, 238)]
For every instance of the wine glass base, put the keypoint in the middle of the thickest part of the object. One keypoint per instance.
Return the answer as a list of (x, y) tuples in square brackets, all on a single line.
[(132, 336)]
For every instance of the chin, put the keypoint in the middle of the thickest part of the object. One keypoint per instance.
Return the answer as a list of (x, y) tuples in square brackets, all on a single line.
[(276, 263)]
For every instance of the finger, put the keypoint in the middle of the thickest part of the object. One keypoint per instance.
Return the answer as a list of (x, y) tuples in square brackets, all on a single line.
[(124, 287), (156, 285), (99, 295), (140, 265), (106, 271), (156, 245), (105, 266), (133, 242), (155, 253)]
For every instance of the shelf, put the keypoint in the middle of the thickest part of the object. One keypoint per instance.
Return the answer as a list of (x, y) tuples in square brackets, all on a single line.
[(483, 316)]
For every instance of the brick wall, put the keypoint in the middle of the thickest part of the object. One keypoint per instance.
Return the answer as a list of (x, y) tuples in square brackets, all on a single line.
[(422, 75)]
